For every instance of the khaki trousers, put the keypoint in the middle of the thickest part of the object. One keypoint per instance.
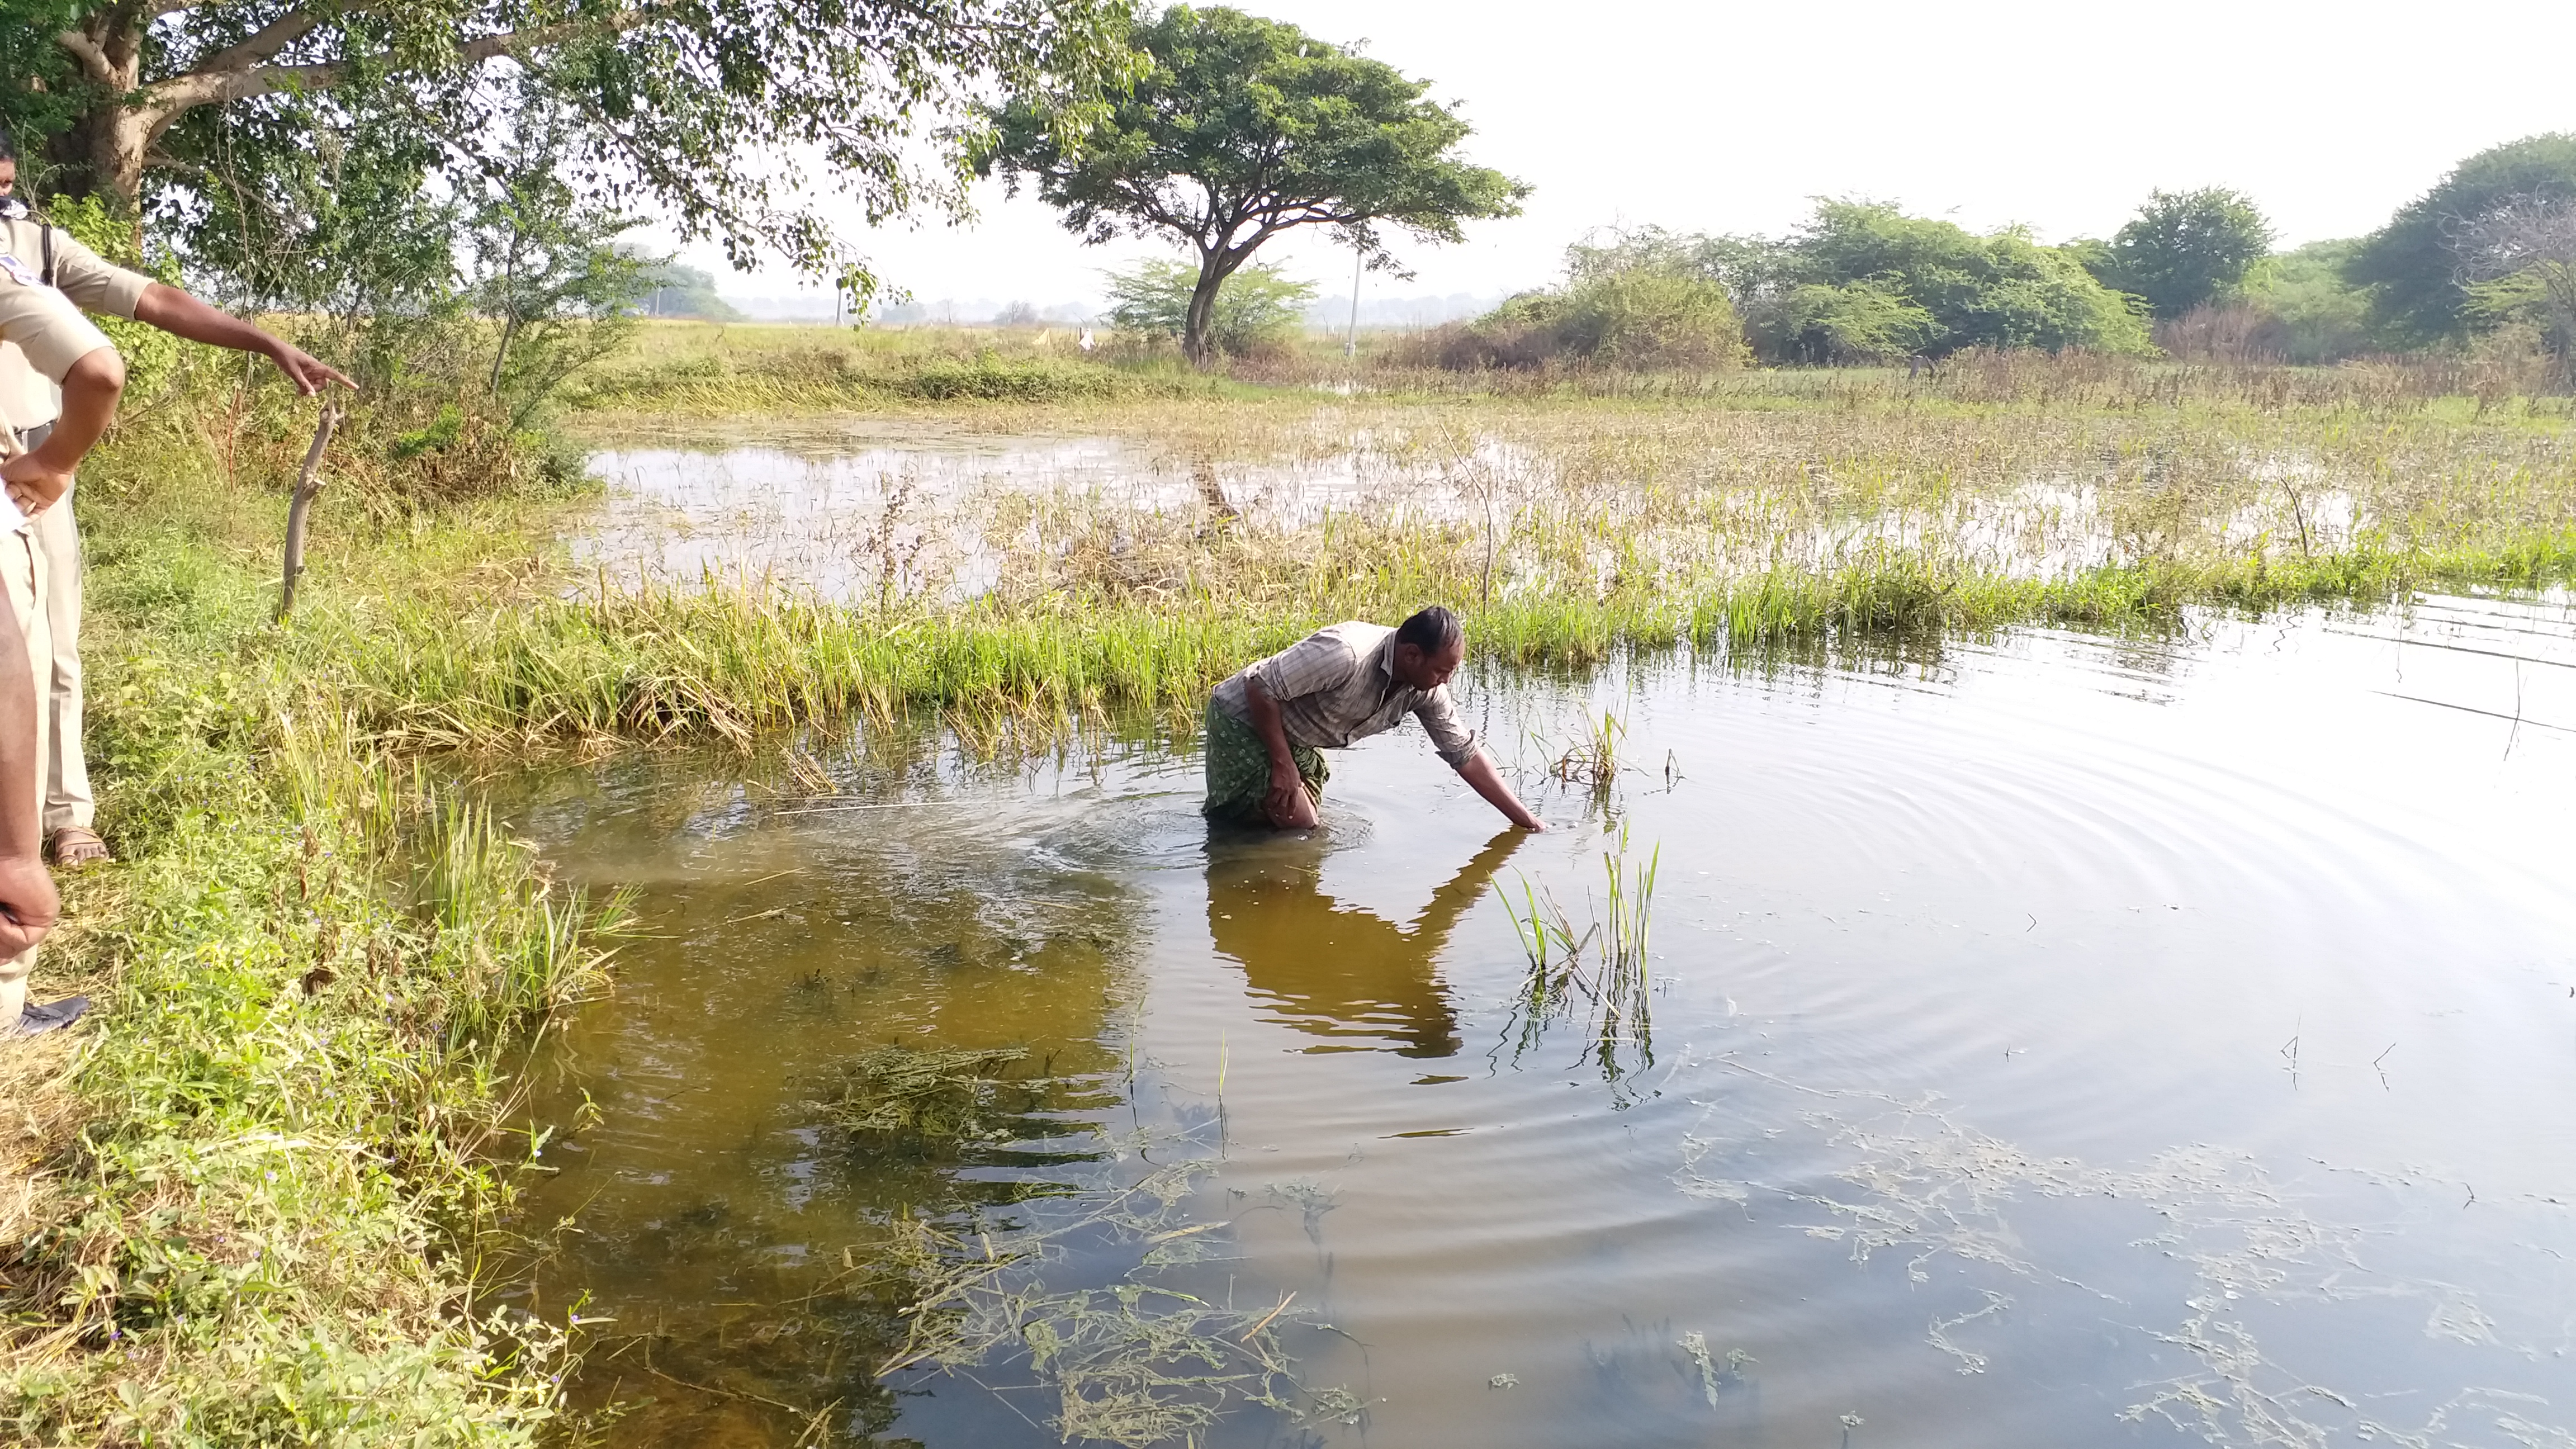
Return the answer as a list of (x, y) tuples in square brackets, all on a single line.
[(24, 579), (67, 798)]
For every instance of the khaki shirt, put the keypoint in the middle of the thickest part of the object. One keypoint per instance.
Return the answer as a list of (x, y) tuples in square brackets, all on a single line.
[(44, 328), (27, 394), (1337, 686)]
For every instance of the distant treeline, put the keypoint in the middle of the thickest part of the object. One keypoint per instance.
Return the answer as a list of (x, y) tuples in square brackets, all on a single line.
[(665, 288), (2487, 258)]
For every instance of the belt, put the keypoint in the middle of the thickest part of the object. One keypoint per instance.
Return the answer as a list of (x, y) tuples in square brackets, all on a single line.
[(35, 437)]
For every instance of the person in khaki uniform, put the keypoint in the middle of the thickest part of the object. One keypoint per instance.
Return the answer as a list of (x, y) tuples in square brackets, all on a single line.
[(27, 404), (71, 354)]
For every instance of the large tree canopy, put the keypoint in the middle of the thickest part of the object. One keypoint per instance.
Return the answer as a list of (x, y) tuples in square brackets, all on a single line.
[(217, 108), (2185, 248), (2418, 279), (1238, 129)]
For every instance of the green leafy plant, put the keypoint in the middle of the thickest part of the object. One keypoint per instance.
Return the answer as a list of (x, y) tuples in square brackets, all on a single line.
[(2185, 249), (1257, 306)]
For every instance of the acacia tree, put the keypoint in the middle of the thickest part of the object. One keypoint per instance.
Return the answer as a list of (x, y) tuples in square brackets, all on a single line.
[(190, 105), (1237, 129)]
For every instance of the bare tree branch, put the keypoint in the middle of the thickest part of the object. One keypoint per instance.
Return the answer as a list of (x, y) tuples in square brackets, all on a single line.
[(2528, 239)]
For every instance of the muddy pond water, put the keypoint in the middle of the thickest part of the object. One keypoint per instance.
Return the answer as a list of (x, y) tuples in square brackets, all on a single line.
[(2058, 1040)]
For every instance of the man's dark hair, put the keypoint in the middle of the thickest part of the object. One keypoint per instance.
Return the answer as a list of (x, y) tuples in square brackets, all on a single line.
[(8, 143), (1430, 631)]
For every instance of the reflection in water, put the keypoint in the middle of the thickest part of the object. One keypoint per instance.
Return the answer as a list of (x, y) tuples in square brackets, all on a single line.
[(1334, 970)]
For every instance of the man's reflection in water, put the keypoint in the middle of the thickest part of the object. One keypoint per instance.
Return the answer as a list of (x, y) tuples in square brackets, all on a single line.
[(1335, 970)]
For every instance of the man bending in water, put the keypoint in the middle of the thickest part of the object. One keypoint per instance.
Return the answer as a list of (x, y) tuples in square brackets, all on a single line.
[(1268, 725)]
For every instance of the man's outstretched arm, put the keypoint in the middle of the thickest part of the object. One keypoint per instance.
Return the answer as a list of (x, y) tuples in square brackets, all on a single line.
[(181, 315), (1465, 754), (1485, 780)]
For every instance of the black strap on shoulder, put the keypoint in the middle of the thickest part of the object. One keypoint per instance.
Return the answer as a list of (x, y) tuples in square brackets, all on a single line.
[(46, 228)]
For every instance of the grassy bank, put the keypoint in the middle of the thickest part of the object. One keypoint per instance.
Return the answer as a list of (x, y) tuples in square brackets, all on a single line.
[(246, 1191), (714, 369), (254, 1186)]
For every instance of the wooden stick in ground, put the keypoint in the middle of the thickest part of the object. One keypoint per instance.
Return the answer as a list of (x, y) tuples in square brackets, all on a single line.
[(307, 483)]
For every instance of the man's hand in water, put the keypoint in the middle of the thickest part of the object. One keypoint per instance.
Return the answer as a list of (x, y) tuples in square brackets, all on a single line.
[(1288, 805), (1481, 777)]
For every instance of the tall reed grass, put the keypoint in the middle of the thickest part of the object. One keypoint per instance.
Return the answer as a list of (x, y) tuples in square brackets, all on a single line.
[(732, 662)]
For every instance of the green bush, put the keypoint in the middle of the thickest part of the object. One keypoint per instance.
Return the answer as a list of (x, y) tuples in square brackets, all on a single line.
[(995, 379), (2001, 290), (1858, 322), (1860, 282), (1636, 318)]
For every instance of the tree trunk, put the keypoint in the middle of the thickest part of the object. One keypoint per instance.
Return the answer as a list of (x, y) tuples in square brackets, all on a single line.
[(102, 153), (112, 141), (1194, 332)]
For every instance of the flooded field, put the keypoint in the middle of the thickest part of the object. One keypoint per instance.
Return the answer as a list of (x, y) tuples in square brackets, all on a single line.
[(2058, 1040), (853, 511), (1528, 504)]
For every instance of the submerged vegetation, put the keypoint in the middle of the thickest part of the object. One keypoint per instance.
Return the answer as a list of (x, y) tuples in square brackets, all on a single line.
[(1134, 1363), (932, 1097)]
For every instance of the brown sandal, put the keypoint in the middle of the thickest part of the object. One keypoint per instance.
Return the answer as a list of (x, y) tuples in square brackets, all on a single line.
[(77, 847)]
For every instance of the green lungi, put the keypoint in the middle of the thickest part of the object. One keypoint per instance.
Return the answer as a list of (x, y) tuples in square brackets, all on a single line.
[(1238, 770)]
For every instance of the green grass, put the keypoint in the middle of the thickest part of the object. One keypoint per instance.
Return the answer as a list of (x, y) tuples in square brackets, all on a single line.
[(259, 1171), (707, 369), (732, 664)]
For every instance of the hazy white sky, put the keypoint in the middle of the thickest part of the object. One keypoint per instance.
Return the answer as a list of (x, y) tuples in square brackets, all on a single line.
[(1728, 117)]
